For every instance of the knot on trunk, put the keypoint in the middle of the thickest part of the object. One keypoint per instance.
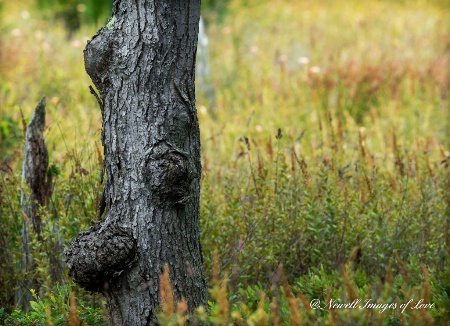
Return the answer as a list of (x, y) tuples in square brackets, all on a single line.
[(169, 178), (99, 254), (98, 57)]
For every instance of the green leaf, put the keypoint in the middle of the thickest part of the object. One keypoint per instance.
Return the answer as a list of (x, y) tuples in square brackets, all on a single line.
[(34, 305)]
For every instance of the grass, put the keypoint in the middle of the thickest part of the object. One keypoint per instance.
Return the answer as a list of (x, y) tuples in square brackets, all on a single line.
[(325, 161)]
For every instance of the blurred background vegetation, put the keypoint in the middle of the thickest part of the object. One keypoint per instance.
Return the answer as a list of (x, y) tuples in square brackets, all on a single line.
[(325, 157), (74, 13)]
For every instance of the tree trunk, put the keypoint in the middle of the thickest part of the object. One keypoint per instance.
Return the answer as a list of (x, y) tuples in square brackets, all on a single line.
[(142, 63), (35, 178)]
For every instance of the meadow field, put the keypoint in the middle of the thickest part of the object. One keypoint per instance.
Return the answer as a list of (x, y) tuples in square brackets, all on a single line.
[(326, 163)]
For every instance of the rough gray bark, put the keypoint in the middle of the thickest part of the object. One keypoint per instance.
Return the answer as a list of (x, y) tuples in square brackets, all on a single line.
[(142, 64), (36, 192)]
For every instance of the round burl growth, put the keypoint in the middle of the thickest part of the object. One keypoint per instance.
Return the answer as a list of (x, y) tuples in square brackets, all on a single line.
[(99, 254), (169, 178)]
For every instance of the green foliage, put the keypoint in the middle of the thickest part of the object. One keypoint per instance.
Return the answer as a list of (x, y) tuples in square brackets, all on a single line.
[(75, 12), (10, 135), (374, 304), (9, 238), (214, 10), (258, 226), (55, 309)]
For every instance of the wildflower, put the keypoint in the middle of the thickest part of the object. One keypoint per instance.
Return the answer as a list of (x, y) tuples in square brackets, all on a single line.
[(16, 32), (39, 35), (303, 60), (25, 15), (314, 70), (46, 46), (282, 58), (203, 110), (76, 44)]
